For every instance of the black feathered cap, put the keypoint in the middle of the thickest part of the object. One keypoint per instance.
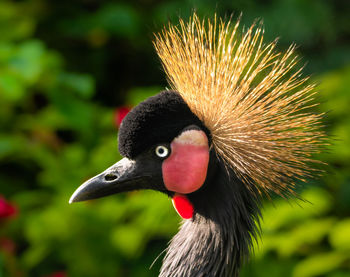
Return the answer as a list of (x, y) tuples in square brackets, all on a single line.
[(159, 119)]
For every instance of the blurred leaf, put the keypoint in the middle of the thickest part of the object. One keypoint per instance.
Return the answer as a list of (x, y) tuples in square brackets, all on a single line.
[(10, 87), (82, 84), (282, 213), (319, 264), (128, 239), (279, 16), (105, 154), (119, 19), (9, 144), (18, 16), (304, 235), (27, 62), (339, 274), (268, 267), (34, 255), (115, 19), (78, 114), (137, 95), (340, 235), (6, 50)]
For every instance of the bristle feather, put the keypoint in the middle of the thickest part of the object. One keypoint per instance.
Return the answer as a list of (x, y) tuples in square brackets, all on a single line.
[(251, 98)]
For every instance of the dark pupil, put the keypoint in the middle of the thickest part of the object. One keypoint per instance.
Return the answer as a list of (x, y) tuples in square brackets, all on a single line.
[(160, 151)]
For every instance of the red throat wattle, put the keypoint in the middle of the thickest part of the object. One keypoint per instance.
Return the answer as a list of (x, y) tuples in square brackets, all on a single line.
[(183, 206)]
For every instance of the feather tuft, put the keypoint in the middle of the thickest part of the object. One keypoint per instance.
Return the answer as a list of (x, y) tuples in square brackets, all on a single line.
[(252, 98)]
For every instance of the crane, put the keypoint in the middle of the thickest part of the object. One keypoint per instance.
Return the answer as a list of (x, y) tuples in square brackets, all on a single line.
[(235, 126)]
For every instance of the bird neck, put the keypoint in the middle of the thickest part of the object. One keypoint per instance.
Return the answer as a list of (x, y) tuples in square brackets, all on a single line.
[(218, 238)]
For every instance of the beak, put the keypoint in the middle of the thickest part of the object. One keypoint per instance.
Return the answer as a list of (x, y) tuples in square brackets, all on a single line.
[(125, 175)]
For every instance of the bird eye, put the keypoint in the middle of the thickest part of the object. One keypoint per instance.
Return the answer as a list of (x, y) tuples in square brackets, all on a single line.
[(162, 151)]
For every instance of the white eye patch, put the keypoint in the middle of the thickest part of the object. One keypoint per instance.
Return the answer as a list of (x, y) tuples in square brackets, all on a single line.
[(193, 137)]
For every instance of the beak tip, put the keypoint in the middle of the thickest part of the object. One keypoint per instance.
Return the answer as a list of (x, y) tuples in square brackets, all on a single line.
[(75, 197), (71, 200)]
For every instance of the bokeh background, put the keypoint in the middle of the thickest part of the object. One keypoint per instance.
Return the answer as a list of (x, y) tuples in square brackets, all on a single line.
[(69, 70)]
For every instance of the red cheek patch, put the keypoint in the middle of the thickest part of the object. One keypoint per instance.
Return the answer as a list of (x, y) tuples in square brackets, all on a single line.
[(185, 170)]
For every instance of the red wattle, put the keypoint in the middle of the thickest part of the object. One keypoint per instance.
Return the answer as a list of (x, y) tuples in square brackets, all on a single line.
[(183, 206)]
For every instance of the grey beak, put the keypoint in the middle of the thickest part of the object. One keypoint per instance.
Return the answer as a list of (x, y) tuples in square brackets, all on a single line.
[(120, 177)]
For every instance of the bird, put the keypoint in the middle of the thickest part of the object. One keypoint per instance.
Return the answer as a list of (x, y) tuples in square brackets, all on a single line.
[(235, 126)]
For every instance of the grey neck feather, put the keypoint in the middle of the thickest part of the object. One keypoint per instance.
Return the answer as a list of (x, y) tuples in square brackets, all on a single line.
[(216, 241)]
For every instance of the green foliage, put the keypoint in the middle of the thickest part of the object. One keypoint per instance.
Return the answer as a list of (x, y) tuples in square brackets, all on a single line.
[(307, 230), (64, 68)]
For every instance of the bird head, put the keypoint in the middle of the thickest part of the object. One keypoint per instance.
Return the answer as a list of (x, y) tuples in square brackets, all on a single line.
[(165, 147)]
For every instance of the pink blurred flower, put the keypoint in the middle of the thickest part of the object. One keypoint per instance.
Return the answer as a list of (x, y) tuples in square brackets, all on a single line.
[(7, 209), (119, 115)]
